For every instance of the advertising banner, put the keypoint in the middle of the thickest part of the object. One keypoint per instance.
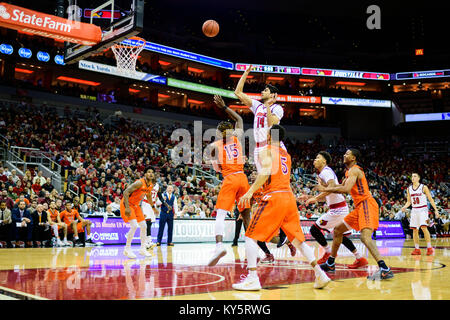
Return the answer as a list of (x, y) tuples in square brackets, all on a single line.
[(111, 70), (200, 88), (268, 68), (289, 98), (184, 54), (345, 74), (50, 26), (113, 230), (386, 229), (427, 117), (422, 74), (357, 102)]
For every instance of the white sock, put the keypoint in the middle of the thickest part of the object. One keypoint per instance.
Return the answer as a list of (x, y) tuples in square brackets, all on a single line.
[(131, 232), (317, 271), (357, 255), (306, 251), (76, 238), (251, 251), (88, 237), (327, 249), (143, 233), (416, 245), (252, 274), (428, 244), (220, 222), (219, 245)]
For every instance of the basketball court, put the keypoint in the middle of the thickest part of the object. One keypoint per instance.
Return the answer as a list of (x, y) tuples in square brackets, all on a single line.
[(181, 273)]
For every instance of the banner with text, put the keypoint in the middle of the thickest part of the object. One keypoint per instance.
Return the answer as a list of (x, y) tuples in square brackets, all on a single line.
[(50, 26)]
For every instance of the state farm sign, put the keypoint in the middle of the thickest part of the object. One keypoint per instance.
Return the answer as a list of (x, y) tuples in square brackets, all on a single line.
[(45, 25)]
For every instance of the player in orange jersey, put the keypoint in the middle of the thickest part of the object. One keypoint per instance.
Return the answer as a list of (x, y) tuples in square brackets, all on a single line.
[(363, 218), (229, 160), (277, 209), (55, 222), (76, 224), (131, 211)]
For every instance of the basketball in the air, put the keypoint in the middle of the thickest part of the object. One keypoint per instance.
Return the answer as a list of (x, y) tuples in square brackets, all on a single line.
[(210, 28)]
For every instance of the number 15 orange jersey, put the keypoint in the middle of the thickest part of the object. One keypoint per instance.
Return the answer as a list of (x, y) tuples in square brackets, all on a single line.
[(230, 156)]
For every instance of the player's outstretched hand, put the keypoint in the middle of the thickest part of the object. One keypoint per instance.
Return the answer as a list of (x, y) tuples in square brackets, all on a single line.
[(304, 197), (219, 101), (310, 201), (319, 188)]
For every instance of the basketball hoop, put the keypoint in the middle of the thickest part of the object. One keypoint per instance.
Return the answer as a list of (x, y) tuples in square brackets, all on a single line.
[(127, 54)]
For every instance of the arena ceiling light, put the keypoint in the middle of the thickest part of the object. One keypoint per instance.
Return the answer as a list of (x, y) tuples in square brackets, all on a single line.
[(80, 81), (275, 78), (195, 101), (23, 70), (195, 70), (351, 83), (239, 75)]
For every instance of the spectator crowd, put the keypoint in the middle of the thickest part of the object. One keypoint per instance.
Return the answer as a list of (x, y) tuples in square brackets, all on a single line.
[(100, 160)]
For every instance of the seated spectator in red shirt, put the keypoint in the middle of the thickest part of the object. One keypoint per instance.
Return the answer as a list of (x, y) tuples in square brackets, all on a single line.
[(87, 188), (4, 197), (18, 188), (36, 187)]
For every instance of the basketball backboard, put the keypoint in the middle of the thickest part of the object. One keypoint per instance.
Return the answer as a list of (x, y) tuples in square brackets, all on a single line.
[(118, 19)]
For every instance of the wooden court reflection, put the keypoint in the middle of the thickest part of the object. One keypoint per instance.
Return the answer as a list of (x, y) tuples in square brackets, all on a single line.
[(180, 272)]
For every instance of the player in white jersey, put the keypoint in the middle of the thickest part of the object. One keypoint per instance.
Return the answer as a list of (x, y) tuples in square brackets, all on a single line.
[(338, 209), (417, 195), (267, 113), (149, 214)]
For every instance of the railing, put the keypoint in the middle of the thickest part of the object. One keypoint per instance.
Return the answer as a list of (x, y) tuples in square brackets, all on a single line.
[(20, 158), (207, 175), (73, 189)]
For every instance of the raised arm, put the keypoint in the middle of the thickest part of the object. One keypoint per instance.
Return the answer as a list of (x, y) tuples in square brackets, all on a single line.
[(240, 87), (233, 115)]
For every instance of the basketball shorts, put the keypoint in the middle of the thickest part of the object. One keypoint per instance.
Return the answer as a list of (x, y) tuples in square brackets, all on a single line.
[(332, 218), (419, 217), (234, 186), (136, 213), (365, 215), (276, 210), (148, 210), (79, 228)]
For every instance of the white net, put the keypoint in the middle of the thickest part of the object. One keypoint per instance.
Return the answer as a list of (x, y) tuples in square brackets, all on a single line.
[(127, 54)]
